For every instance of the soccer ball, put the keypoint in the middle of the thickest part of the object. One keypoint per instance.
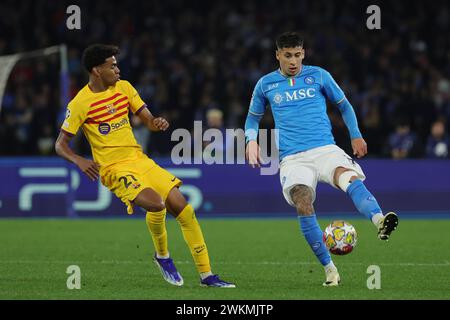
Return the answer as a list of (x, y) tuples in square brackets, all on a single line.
[(340, 237)]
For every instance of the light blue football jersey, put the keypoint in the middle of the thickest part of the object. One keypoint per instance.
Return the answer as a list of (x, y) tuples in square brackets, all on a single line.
[(299, 108)]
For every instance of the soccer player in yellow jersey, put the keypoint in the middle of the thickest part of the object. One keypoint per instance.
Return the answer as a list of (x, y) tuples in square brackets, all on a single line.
[(101, 109)]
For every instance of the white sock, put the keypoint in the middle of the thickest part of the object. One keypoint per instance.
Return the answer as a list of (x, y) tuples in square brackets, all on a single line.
[(377, 218), (163, 257), (205, 275), (330, 266)]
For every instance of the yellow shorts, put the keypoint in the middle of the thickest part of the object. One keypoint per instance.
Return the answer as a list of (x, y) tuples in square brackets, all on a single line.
[(127, 179)]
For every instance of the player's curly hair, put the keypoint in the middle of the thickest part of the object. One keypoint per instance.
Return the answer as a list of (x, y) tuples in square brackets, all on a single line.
[(96, 54), (289, 39)]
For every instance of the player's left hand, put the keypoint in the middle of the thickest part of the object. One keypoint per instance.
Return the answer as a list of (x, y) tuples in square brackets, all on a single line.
[(359, 147), (160, 124)]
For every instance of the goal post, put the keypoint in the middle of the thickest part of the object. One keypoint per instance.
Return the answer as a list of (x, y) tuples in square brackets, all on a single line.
[(8, 62)]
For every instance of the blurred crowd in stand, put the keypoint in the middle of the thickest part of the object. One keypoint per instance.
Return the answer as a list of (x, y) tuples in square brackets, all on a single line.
[(199, 60)]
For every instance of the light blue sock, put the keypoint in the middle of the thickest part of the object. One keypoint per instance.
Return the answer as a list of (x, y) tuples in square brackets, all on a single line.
[(313, 235), (364, 201)]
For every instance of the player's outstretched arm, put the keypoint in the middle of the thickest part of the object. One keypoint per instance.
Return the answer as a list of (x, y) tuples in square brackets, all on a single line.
[(154, 124), (359, 146), (335, 94), (62, 148)]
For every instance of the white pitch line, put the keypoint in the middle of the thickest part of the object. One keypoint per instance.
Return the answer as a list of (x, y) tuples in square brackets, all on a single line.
[(274, 263)]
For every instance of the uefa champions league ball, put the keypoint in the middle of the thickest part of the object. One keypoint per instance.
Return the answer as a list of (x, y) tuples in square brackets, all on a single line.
[(340, 237)]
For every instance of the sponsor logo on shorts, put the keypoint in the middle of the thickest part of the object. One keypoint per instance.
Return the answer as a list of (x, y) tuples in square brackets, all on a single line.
[(351, 160), (104, 128)]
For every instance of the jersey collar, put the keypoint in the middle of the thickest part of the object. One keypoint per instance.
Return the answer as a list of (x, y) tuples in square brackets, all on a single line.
[(288, 77)]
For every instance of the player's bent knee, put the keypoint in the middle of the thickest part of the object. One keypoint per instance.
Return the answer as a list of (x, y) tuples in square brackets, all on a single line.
[(152, 206), (345, 178), (156, 207), (150, 201)]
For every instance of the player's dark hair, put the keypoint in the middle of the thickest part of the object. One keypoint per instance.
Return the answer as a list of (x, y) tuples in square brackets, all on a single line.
[(96, 54), (289, 40)]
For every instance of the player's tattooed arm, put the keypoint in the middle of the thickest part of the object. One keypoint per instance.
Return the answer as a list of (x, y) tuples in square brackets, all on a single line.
[(62, 148), (154, 124)]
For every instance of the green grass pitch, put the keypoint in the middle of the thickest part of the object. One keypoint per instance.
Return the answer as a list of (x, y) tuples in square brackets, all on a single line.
[(266, 258)]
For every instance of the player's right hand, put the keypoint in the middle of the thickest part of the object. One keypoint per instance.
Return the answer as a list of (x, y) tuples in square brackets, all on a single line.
[(359, 147), (89, 167), (160, 124), (253, 154)]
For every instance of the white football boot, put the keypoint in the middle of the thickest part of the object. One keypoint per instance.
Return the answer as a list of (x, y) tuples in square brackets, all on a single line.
[(333, 278)]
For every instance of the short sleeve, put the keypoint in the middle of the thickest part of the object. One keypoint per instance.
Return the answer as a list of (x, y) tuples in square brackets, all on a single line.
[(330, 88), (75, 117), (136, 103)]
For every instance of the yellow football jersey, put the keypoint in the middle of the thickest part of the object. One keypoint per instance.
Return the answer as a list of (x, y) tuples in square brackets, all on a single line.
[(104, 119)]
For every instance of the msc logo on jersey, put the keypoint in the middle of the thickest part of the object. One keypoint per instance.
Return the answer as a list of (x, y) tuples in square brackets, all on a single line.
[(104, 128), (309, 80), (300, 94), (278, 98)]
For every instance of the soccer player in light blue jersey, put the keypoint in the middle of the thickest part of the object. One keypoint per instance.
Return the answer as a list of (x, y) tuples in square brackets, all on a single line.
[(297, 94)]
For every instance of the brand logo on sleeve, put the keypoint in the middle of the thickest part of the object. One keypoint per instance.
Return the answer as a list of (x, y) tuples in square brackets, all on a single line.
[(273, 86)]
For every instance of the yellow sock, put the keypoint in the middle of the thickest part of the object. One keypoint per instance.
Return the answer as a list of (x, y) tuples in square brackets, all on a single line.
[(156, 223), (193, 236)]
